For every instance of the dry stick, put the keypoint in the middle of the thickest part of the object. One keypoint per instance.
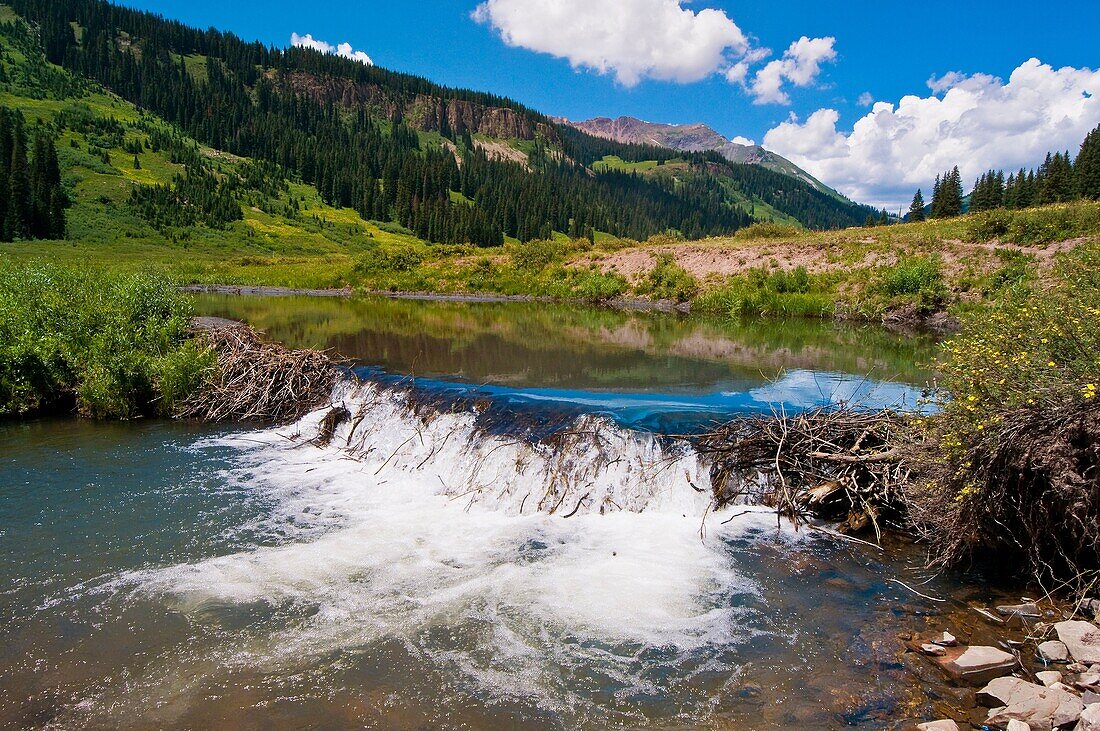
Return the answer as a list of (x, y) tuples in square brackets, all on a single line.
[(922, 596)]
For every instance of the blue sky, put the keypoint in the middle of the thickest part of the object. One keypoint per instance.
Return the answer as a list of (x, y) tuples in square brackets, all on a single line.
[(653, 68)]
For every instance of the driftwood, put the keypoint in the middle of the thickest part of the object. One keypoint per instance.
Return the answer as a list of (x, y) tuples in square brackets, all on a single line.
[(256, 380), (831, 463)]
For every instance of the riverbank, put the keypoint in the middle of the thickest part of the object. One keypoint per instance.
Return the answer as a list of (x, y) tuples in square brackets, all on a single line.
[(931, 273)]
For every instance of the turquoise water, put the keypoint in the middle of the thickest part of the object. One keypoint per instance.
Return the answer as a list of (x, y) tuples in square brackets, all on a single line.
[(165, 575)]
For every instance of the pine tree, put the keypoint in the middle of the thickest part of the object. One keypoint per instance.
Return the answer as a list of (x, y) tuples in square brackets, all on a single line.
[(17, 221), (1087, 167), (947, 198), (916, 209)]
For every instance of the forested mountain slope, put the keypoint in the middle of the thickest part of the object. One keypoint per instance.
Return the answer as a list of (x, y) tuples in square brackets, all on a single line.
[(452, 165)]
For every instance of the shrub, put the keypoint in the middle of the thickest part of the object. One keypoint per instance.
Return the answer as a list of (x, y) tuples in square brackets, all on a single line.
[(390, 259), (760, 292), (1013, 454), (1035, 226), (768, 231), (918, 279), (112, 345), (535, 256), (668, 281)]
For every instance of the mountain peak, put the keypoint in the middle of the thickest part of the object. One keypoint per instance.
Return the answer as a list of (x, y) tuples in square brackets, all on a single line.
[(685, 137), (696, 137)]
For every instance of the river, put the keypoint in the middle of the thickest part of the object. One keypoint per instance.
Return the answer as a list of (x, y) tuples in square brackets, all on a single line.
[(410, 574)]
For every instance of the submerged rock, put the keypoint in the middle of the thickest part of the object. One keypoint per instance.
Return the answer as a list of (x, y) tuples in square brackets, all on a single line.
[(1082, 639), (1041, 708), (947, 640), (1019, 610), (944, 725)]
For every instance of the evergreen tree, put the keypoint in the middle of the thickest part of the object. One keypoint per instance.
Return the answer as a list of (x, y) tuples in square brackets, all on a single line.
[(1087, 167), (1057, 180), (947, 198), (916, 209), (19, 212)]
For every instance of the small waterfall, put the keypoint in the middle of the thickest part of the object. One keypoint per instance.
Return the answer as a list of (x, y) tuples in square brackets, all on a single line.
[(590, 466)]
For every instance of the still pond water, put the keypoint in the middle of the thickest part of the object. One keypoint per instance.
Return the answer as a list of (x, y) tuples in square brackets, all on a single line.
[(167, 575)]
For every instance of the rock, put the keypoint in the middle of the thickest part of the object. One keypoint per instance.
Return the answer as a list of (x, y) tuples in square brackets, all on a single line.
[(976, 664), (947, 640), (1082, 639), (1090, 698), (945, 725), (1088, 681), (1091, 608), (1053, 651), (1016, 699), (1064, 687), (1049, 677), (934, 650), (1015, 725), (1076, 668), (1020, 610), (1090, 718)]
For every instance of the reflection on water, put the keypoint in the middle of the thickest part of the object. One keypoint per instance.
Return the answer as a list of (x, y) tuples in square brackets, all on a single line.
[(568, 347)]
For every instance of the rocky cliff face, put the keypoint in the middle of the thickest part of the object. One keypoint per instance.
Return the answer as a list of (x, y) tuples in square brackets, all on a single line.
[(422, 112), (686, 137)]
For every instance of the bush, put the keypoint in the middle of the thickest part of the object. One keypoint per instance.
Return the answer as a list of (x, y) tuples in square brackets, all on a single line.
[(534, 256), (390, 259), (918, 279), (668, 281), (1015, 448), (113, 346), (1035, 226), (760, 292), (768, 231)]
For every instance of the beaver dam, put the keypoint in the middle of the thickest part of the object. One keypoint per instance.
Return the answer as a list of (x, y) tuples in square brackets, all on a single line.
[(509, 545)]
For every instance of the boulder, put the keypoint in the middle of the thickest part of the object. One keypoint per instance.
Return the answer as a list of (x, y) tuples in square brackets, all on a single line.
[(976, 664), (1090, 718), (945, 725), (1082, 639), (1041, 708), (1049, 677), (1053, 651)]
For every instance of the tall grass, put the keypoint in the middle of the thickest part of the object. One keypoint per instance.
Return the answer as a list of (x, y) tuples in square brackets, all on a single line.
[(108, 345), (795, 293)]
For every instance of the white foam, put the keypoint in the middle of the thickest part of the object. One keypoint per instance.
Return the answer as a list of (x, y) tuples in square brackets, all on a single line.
[(411, 530)]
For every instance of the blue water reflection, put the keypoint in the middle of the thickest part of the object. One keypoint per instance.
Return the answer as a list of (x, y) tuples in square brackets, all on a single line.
[(672, 413)]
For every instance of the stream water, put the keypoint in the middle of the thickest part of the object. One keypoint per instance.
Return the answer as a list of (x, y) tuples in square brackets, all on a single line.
[(418, 572)]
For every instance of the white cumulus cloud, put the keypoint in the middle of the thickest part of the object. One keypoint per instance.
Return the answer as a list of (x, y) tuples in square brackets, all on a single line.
[(632, 39), (977, 122), (342, 49), (800, 65)]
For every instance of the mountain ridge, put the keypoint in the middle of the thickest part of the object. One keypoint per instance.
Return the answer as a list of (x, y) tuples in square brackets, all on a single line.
[(694, 137)]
